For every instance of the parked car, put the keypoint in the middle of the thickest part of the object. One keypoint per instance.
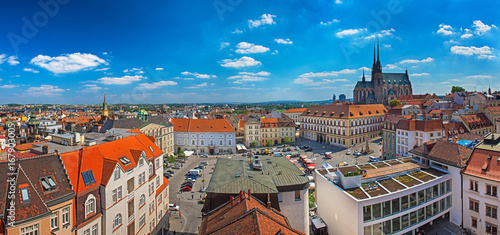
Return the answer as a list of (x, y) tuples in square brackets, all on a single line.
[(372, 159), (204, 155), (204, 163), (348, 152), (309, 149), (186, 188), (288, 149), (173, 207), (297, 148)]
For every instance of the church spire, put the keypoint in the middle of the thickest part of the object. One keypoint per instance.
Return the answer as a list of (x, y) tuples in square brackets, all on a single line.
[(374, 53), (364, 80), (104, 107), (378, 54), (489, 90)]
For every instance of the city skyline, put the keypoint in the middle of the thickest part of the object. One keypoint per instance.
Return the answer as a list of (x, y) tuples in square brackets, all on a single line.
[(238, 51)]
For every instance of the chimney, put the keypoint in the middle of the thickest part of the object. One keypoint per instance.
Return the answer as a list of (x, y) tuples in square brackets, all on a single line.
[(249, 194), (232, 201), (268, 205), (241, 196)]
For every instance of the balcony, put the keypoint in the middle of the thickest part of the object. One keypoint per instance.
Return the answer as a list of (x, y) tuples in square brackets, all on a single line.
[(130, 218), (130, 195)]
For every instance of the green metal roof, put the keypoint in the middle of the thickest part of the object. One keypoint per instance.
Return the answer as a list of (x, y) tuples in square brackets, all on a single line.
[(232, 176)]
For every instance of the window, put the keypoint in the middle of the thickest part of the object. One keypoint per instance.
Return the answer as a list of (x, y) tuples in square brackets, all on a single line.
[(160, 215), (491, 229), (94, 229), (141, 161), (88, 177), (48, 184), (491, 211), (473, 205), (86, 232), (90, 205), (432, 135), (220, 142), (119, 192), (157, 181), (54, 220), (115, 195), (473, 185), (142, 178), (151, 188), (117, 174), (491, 190), (142, 200), (65, 215), (30, 230), (151, 169), (117, 221), (157, 162), (297, 195), (25, 194), (151, 148), (142, 220), (229, 142), (474, 222), (151, 207), (193, 142)]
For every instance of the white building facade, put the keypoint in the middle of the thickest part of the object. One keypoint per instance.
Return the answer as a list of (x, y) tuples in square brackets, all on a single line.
[(413, 133)]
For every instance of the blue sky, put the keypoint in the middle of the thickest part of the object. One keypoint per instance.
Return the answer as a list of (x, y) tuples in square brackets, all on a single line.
[(72, 52)]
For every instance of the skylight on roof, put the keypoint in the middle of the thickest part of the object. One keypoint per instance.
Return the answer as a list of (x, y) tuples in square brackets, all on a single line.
[(88, 177), (125, 160), (25, 194), (151, 148)]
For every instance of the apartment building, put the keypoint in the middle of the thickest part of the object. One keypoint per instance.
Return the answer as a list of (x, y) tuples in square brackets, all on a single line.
[(477, 123), (212, 136), (119, 186), (269, 131), (480, 187), (294, 114), (252, 131), (342, 125), (43, 198), (389, 137), (390, 197), (413, 133), (493, 114)]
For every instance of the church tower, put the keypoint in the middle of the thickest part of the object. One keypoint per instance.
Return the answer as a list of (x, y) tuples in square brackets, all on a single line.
[(104, 107)]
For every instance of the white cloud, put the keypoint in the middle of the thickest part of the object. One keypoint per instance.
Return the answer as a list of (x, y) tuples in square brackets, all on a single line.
[(310, 82), (484, 52), (329, 22), (261, 73), (264, 19), (134, 70), (12, 60), (392, 67), (120, 80), (444, 83), (246, 78), (103, 69), (31, 70), (445, 29), (481, 28), (381, 34), (198, 86), (159, 69), (44, 90), (68, 63), (387, 45), (283, 41), (419, 74), (8, 86), (466, 35), (413, 61), (155, 85), (349, 32), (338, 2), (478, 77), (250, 48), (244, 61), (224, 45), (327, 74), (451, 41), (91, 88), (198, 75), (237, 31)]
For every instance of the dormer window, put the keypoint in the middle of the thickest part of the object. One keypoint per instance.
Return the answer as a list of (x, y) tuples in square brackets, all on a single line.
[(141, 162), (150, 169), (151, 148), (124, 160), (48, 184)]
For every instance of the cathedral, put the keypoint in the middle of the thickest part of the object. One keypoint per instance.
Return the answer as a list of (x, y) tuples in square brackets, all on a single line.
[(383, 87)]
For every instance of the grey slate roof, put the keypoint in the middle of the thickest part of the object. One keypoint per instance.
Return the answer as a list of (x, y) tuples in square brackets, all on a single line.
[(361, 84), (133, 123), (232, 176), (396, 78)]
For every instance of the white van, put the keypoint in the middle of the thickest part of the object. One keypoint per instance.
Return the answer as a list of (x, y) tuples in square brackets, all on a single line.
[(373, 159)]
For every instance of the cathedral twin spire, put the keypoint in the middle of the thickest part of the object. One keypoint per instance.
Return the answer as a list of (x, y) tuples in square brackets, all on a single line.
[(377, 67)]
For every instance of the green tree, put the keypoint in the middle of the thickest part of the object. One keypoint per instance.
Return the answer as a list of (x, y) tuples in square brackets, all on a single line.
[(457, 89), (253, 144), (170, 159), (181, 154), (286, 140), (312, 200), (394, 102), (269, 143)]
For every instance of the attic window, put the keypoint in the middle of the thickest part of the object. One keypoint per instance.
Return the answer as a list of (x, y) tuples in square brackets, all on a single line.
[(316, 111), (377, 111), (324, 112), (151, 148), (88, 177), (48, 184), (124, 160), (25, 194), (369, 112), (332, 113), (351, 114), (308, 111), (360, 113)]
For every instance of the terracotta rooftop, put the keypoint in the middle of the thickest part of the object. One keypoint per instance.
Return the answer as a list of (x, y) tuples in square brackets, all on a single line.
[(201, 125), (445, 152), (420, 125), (485, 159), (246, 215), (495, 110), (476, 121), (27, 146), (296, 110), (345, 111)]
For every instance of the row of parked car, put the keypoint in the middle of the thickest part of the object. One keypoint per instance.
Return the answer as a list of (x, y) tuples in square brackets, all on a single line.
[(192, 176)]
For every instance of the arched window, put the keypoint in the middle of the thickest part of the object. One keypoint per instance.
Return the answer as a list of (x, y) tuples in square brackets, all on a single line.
[(193, 142), (229, 142), (117, 221), (142, 200), (90, 204), (202, 142)]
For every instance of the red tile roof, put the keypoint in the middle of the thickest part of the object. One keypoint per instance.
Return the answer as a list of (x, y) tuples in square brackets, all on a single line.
[(201, 125), (420, 125), (445, 152), (345, 111), (480, 166), (246, 216), (495, 110), (476, 121), (405, 98), (27, 146), (103, 158), (301, 110)]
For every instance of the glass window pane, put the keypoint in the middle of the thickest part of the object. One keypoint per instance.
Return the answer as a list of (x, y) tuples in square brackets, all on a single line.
[(386, 227), (421, 197), (395, 206), (377, 212), (428, 211), (377, 229), (413, 199), (421, 214), (404, 221), (435, 208), (428, 194), (413, 218), (396, 224), (435, 191), (386, 208), (404, 203), (368, 230), (367, 213)]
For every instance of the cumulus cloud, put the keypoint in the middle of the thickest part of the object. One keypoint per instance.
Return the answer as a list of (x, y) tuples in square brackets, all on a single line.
[(198, 75), (134, 70), (31, 70), (310, 82), (392, 67), (466, 35), (224, 45), (381, 34), (419, 74), (478, 77), (8, 86), (261, 73), (198, 86), (349, 32), (155, 85), (249, 77), (68, 63), (283, 41), (159, 69), (484, 52), (120, 80), (44, 90), (481, 28), (327, 74), (250, 48), (329, 22), (12, 60), (263, 20), (237, 31), (445, 29), (91, 88), (413, 61), (242, 62)]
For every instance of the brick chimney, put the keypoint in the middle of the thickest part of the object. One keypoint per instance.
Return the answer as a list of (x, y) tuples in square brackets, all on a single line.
[(249, 194), (241, 196), (232, 201), (268, 205), (428, 146)]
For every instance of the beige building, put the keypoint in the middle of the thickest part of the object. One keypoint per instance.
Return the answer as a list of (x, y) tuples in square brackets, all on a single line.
[(342, 125), (164, 136), (477, 123), (252, 131), (493, 114), (294, 114)]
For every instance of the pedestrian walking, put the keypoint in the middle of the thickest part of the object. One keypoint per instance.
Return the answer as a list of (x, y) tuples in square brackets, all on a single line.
[(180, 215), (192, 196)]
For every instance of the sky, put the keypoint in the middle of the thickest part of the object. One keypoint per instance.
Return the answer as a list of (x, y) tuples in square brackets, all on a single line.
[(186, 51)]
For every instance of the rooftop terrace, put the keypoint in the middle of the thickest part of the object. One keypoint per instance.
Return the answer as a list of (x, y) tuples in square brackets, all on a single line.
[(381, 178)]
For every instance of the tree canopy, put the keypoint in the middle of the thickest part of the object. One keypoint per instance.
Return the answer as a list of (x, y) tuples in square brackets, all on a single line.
[(457, 89), (394, 103)]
